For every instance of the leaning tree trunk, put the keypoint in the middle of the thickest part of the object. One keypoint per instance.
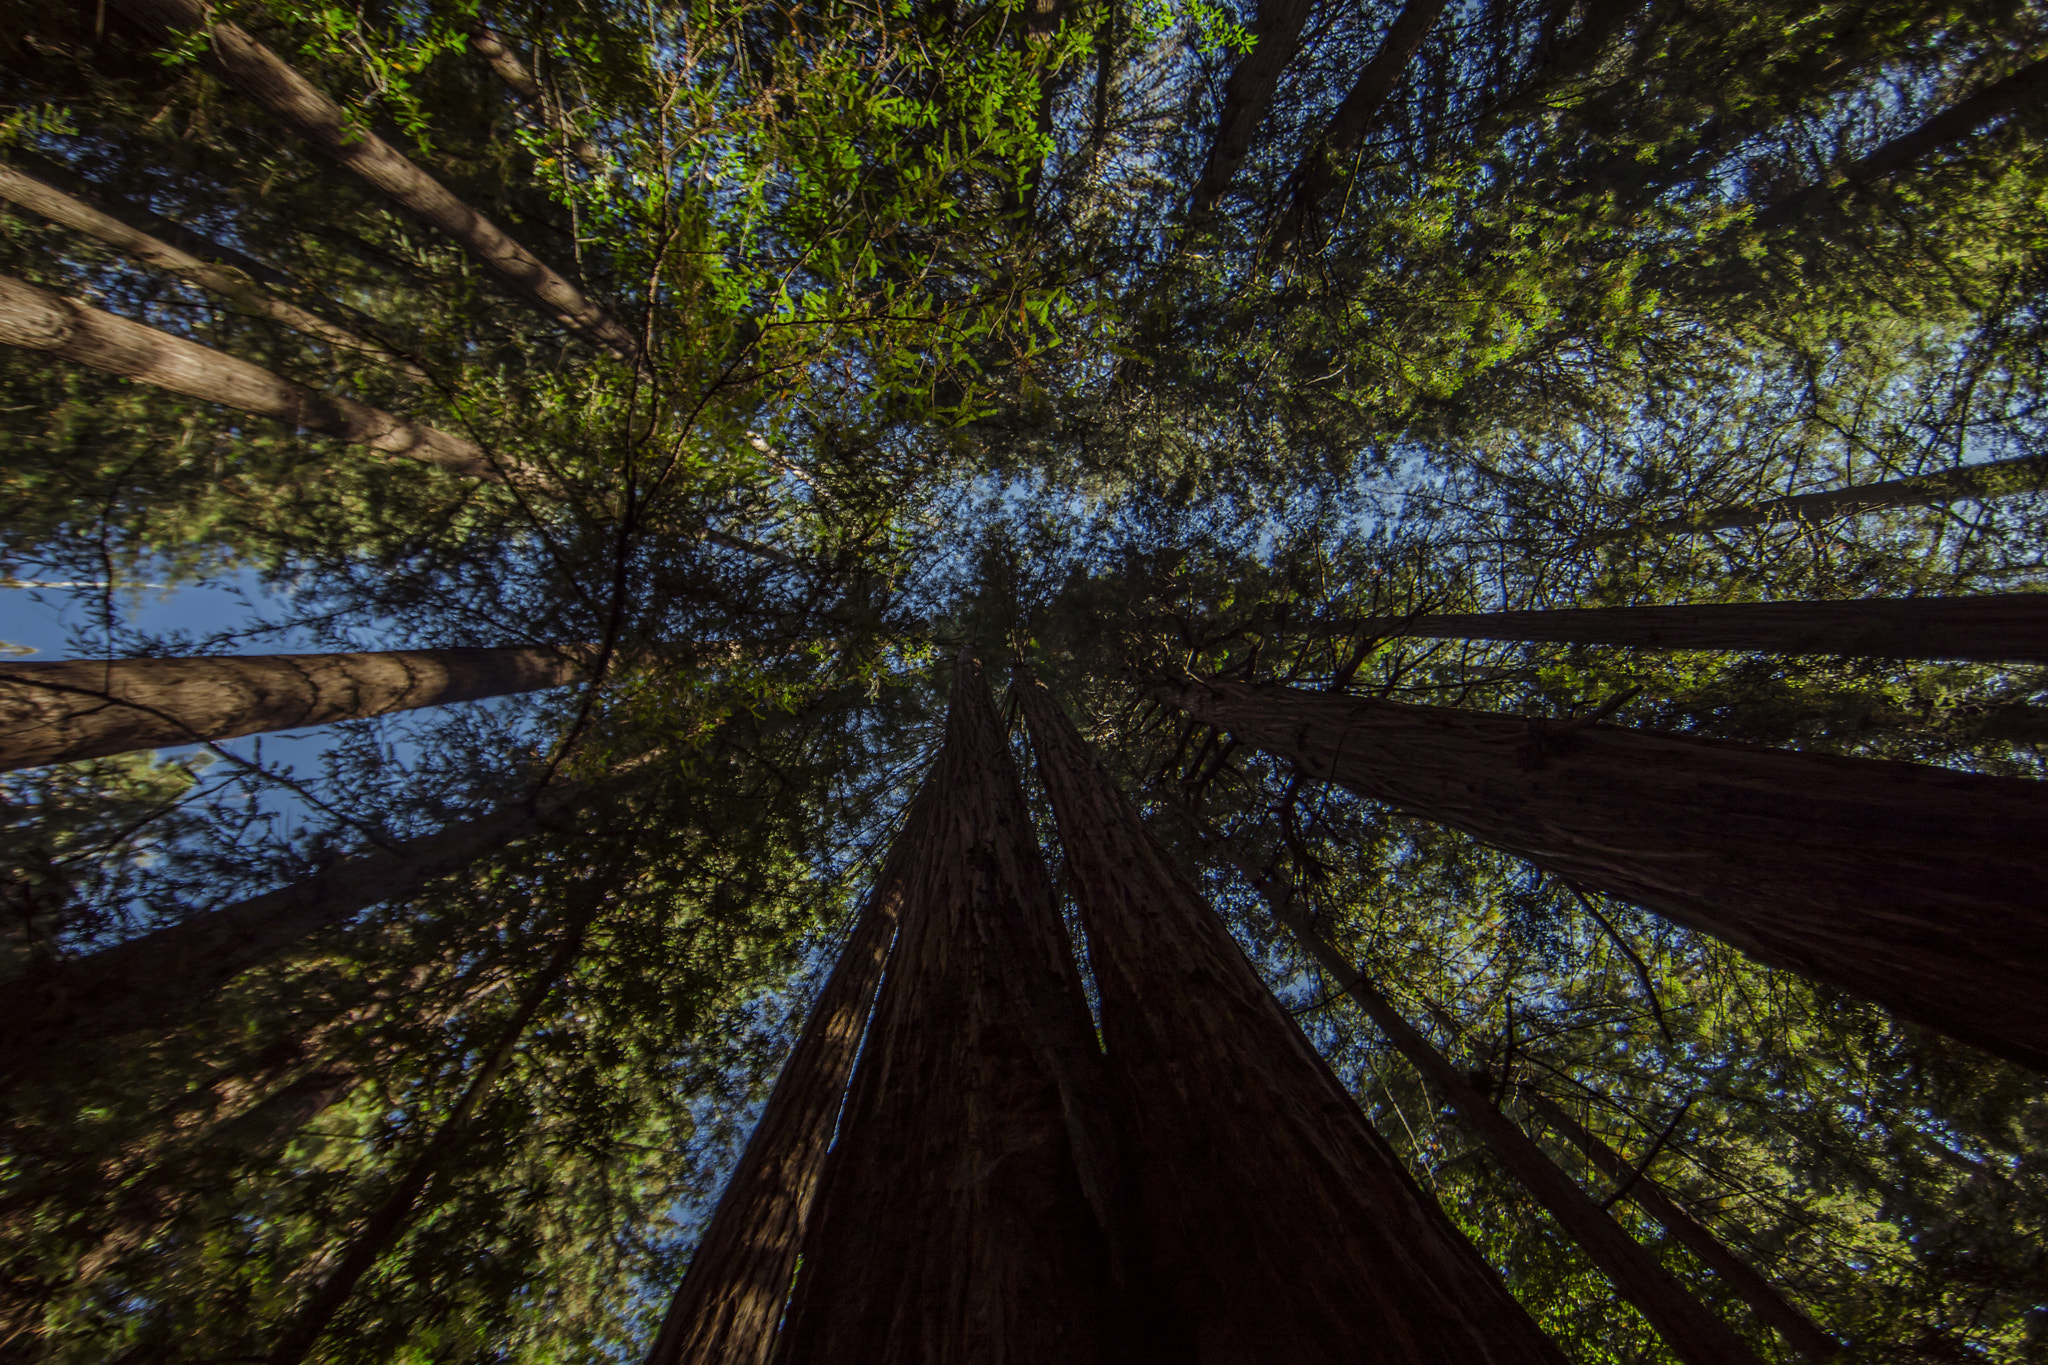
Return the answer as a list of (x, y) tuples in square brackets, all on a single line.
[(1280, 1223), (260, 74), (1248, 94), (1694, 1335), (83, 708), (1916, 887), (2002, 628), (493, 48), (726, 1309), (1799, 1331), (953, 1224), (42, 321)]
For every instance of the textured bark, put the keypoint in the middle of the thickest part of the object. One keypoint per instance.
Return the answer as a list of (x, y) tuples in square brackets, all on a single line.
[(41, 321), (1694, 1335), (953, 1225), (1993, 479), (52, 203), (57, 712), (260, 74), (1279, 1222), (2002, 628), (725, 1311), (493, 48), (2023, 87), (1323, 165), (1248, 94), (1799, 1331), (1913, 886)]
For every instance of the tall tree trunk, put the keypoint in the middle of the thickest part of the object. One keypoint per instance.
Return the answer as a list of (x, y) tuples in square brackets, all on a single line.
[(1694, 1335), (1799, 1331), (260, 74), (1951, 125), (953, 1224), (726, 1309), (1281, 1224), (384, 1226), (1916, 887), (1248, 94), (42, 321), (493, 48), (52, 203), (1999, 628), (1324, 165), (1992, 479), (85, 708)]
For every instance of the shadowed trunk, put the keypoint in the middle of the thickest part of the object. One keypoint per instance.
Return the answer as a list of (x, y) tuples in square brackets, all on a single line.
[(953, 1223), (726, 1309), (1799, 1331), (1280, 1223), (2003, 628), (53, 204), (41, 321), (1248, 94), (2023, 87), (260, 74), (1694, 1335), (85, 708), (1993, 479), (1913, 886), (493, 48)]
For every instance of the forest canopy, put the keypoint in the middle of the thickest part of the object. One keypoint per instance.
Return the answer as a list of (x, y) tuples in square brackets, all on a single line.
[(1537, 506)]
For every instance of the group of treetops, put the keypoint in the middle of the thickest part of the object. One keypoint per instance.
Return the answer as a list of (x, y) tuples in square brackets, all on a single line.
[(1048, 680)]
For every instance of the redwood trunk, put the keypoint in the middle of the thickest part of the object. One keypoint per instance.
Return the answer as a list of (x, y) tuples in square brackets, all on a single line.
[(260, 74), (1799, 1331), (725, 1311), (1280, 1223), (2005, 628), (57, 712), (42, 321), (1914, 886), (1248, 94), (952, 1225), (1694, 1335)]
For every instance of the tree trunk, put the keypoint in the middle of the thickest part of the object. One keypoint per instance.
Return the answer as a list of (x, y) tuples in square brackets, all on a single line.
[(85, 708), (1799, 1331), (953, 1224), (1694, 1335), (1951, 125), (1280, 1223), (1913, 886), (492, 47), (1993, 479), (726, 1309), (1323, 165), (260, 74), (41, 321), (1248, 94), (391, 1216), (2003, 628)]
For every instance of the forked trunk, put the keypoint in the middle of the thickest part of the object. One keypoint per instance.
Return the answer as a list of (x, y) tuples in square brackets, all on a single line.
[(1913, 886), (952, 1225), (1279, 1222), (82, 708)]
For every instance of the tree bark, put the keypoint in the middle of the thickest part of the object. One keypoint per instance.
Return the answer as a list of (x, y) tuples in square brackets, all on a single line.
[(53, 204), (726, 1309), (1694, 1335), (1248, 94), (260, 74), (1280, 1223), (2001, 628), (1915, 887), (1993, 479), (492, 47), (954, 1223), (2023, 87), (1799, 1331), (41, 321), (85, 708)]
